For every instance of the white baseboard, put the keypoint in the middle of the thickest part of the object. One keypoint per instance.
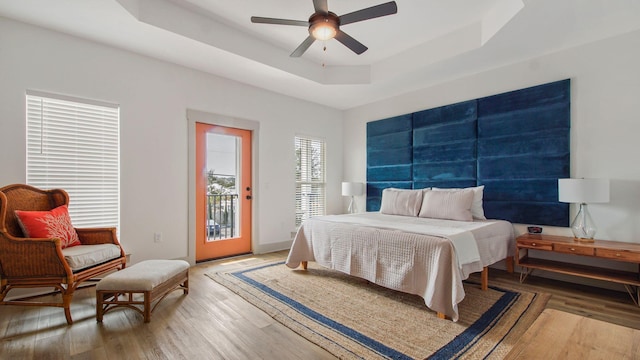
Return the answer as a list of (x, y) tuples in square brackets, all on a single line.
[(273, 247)]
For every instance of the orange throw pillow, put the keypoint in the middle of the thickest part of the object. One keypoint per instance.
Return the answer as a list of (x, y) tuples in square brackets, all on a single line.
[(49, 224)]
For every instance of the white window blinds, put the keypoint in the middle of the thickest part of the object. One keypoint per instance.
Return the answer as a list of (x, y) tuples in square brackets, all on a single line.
[(310, 178), (74, 145)]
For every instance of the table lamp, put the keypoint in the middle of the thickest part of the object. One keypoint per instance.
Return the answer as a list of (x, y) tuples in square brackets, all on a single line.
[(583, 192), (352, 189)]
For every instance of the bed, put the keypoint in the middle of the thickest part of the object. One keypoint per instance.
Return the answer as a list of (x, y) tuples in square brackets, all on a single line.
[(423, 242)]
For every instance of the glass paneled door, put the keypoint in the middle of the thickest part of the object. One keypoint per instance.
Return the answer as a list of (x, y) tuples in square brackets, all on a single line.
[(223, 191)]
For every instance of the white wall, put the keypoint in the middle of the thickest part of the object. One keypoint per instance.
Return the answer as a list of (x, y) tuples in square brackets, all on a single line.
[(154, 97)]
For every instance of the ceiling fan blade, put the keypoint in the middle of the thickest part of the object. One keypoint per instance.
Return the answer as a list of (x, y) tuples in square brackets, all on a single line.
[(265, 20), (369, 13), (321, 5), (303, 47), (353, 44)]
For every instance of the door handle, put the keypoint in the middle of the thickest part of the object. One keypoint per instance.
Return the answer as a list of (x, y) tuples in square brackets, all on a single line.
[(248, 197)]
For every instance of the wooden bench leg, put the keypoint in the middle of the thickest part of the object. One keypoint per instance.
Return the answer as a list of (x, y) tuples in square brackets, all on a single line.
[(99, 304), (304, 265), (147, 306)]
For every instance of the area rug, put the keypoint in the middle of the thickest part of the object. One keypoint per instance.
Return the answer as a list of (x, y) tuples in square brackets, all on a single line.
[(354, 319)]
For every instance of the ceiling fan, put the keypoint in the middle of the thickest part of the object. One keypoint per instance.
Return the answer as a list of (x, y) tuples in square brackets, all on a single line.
[(325, 25)]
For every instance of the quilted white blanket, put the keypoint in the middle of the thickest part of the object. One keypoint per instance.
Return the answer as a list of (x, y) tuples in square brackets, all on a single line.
[(426, 257)]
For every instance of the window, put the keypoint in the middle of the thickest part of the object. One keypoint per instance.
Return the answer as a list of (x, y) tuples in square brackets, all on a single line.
[(310, 178), (74, 145)]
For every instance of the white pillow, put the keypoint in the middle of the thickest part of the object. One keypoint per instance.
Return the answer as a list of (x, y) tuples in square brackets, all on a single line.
[(477, 210), (401, 202), (450, 205)]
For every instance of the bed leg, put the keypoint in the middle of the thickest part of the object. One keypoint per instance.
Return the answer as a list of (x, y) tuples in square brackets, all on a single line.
[(510, 264), (304, 265), (441, 315), (484, 285)]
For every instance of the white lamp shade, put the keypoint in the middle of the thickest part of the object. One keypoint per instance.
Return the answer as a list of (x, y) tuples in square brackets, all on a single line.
[(583, 190), (352, 189)]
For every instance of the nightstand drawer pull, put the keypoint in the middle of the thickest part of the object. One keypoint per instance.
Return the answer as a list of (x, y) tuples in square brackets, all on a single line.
[(534, 244), (573, 249)]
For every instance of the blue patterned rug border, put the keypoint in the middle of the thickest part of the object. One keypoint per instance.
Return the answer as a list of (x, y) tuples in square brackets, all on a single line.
[(354, 335), (454, 349)]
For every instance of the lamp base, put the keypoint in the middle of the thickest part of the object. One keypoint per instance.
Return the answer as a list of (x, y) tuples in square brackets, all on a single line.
[(583, 227), (352, 206)]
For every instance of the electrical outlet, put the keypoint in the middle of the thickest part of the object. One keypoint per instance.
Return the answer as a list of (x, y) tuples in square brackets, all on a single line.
[(157, 237)]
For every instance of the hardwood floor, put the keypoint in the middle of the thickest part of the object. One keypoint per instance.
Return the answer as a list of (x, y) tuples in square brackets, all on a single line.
[(214, 323), (615, 307), (563, 336)]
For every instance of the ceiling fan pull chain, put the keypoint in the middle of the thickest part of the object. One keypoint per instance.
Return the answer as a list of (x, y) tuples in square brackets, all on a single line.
[(324, 53)]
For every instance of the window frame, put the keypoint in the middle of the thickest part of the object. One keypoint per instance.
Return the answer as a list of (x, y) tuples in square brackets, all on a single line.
[(305, 178), (74, 144)]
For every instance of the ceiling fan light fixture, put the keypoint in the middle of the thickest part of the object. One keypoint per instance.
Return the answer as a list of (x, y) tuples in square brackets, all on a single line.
[(323, 26), (323, 31)]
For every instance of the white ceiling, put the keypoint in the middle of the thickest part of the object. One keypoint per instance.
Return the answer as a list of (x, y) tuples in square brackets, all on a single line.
[(426, 42)]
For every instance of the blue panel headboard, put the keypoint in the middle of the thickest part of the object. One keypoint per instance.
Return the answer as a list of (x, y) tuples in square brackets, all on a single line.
[(444, 146), (389, 157), (516, 144)]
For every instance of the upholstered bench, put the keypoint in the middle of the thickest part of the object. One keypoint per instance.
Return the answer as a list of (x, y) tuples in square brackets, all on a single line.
[(150, 280)]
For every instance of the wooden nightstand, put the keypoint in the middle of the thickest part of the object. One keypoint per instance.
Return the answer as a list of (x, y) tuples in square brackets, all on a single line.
[(611, 250)]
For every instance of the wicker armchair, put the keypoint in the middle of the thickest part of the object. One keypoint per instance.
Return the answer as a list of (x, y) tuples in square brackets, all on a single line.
[(31, 262)]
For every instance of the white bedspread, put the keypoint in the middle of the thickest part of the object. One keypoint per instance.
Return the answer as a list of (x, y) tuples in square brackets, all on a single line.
[(456, 231), (427, 257)]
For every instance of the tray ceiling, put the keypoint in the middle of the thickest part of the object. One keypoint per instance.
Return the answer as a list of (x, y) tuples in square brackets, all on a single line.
[(426, 42)]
